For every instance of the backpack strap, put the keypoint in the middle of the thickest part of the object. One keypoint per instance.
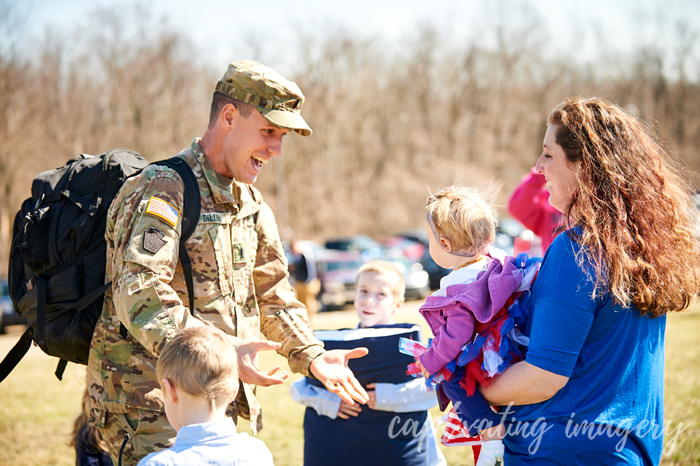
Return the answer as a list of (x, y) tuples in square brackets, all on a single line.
[(16, 354), (190, 215)]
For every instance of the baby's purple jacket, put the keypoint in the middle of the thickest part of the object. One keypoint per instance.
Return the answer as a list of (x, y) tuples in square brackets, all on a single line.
[(452, 317)]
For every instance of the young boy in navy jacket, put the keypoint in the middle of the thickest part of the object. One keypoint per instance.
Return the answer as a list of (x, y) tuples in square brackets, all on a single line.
[(394, 427)]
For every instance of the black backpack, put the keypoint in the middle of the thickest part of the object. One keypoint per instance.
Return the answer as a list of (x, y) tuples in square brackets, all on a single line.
[(58, 254)]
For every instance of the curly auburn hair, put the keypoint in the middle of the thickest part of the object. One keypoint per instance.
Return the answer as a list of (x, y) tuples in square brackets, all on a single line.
[(633, 205)]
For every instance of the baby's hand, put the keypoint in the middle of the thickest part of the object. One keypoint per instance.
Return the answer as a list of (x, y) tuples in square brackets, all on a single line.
[(426, 374), (491, 452), (345, 410)]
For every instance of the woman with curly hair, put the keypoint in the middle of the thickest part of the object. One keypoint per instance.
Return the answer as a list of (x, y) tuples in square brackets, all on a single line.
[(590, 390)]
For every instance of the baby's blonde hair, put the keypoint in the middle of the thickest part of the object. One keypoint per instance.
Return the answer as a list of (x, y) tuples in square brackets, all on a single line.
[(398, 287), (465, 216), (202, 361)]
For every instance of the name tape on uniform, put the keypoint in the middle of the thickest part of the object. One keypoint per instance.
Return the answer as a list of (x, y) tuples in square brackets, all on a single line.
[(163, 210)]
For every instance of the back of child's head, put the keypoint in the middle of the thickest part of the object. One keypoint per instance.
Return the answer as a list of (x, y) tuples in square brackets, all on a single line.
[(388, 269), (201, 361), (465, 216)]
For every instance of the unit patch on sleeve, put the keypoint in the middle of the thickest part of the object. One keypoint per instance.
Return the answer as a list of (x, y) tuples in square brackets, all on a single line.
[(153, 240), (163, 211)]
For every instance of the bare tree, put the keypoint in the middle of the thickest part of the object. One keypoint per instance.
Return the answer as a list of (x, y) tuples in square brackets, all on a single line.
[(391, 121)]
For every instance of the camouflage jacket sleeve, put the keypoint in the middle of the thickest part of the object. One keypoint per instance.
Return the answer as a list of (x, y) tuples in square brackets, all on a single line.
[(145, 240), (283, 318)]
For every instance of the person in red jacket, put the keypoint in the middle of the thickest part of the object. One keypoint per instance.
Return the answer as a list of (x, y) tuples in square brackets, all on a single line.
[(529, 204)]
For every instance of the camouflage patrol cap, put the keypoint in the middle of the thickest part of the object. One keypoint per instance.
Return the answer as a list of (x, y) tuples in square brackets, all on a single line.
[(278, 99)]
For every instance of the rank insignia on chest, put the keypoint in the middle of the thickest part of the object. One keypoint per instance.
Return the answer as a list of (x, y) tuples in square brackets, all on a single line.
[(163, 210), (239, 253), (153, 240)]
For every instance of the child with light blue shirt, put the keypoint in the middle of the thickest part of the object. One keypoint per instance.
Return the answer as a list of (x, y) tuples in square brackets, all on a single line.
[(394, 427), (198, 373)]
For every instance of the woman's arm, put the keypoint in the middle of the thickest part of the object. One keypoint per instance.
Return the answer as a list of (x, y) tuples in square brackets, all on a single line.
[(561, 320), (523, 384)]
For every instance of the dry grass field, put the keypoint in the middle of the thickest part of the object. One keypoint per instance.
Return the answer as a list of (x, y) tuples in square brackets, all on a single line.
[(37, 411)]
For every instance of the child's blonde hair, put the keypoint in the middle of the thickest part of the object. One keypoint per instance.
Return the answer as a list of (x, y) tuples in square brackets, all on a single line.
[(386, 268), (202, 361), (465, 216)]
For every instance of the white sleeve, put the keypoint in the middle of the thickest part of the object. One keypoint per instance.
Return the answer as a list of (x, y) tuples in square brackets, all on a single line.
[(321, 400), (404, 397), (435, 456)]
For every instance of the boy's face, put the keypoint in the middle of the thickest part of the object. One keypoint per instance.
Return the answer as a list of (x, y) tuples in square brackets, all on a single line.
[(375, 304)]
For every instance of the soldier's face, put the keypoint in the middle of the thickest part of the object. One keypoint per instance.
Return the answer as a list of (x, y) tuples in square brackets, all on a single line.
[(250, 144)]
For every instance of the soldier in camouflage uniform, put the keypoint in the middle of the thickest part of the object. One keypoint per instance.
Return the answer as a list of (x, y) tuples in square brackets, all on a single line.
[(238, 263)]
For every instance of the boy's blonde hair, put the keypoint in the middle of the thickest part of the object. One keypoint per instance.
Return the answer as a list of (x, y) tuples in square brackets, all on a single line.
[(202, 361), (386, 268), (465, 216)]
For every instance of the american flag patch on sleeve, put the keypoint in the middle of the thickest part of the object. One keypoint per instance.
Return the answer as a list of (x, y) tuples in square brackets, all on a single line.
[(163, 210)]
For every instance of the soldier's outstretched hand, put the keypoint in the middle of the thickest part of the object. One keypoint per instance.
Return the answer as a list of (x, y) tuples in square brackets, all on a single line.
[(248, 372), (332, 369)]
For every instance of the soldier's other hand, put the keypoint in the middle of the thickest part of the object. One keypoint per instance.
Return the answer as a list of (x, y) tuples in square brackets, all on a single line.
[(332, 369), (248, 372)]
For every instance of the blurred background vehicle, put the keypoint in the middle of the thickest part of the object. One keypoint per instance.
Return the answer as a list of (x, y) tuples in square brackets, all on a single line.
[(434, 271), (410, 249), (406, 255), (510, 231), (368, 247), (338, 263), (337, 271), (417, 280), (8, 315)]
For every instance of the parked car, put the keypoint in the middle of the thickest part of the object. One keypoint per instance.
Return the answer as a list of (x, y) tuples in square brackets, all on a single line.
[(368, 247), (509, 230), (406, 255), (434, 271), (9, 316), (337, 271), (417, 280), (410, 249), (306, 246)]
